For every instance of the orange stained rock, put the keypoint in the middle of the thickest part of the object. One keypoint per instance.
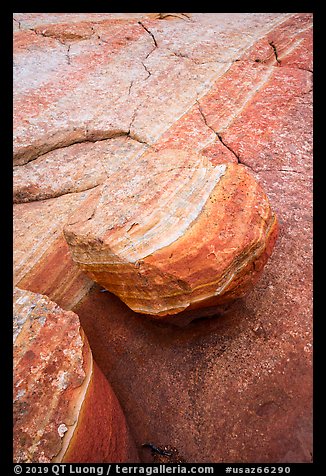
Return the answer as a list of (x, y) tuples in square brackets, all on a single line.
[(57, 276), (173, 232), (64, 408)]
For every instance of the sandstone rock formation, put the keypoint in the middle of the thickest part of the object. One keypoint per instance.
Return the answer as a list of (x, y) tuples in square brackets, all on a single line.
[(172, 232), (93, 92), (64, 408)]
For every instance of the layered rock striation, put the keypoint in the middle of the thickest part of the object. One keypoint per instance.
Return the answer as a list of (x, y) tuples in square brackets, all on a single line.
[(64, 408), (173, 232)]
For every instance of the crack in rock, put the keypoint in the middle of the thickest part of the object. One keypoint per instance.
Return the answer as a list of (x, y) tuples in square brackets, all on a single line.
[(204, 117), (43, 199), (230, 149), (130, 86), (147, 70), (306, 69), (271, 43), (88, 137), (148, 54), (130, 126), (149, 32), (62, 42), (218, 135), (19, 23)]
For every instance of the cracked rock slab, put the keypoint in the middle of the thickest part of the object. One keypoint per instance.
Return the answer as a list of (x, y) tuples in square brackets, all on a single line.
[(173, 232), (62, 401), (74, 168), (61, 93)]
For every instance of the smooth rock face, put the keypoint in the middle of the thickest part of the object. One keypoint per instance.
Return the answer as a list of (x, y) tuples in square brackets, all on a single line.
[(174, 232), (62, 401)]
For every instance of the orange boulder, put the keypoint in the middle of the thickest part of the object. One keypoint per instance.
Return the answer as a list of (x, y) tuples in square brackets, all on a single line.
[(172, 233)]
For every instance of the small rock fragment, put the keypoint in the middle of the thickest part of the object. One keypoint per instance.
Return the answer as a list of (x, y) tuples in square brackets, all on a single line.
[(164, 454)]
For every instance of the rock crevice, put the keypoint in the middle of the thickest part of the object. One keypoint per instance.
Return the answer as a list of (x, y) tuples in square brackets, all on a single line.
[(149, 32), (78, 137)]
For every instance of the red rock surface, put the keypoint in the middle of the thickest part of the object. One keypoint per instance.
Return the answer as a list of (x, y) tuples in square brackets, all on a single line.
[(233, 388), (64, 409), (171, 232)]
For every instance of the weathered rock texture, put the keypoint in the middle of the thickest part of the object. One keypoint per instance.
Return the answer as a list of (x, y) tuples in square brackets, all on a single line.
[(64, 408), (73, 169), (234, 388), (172, 232)]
